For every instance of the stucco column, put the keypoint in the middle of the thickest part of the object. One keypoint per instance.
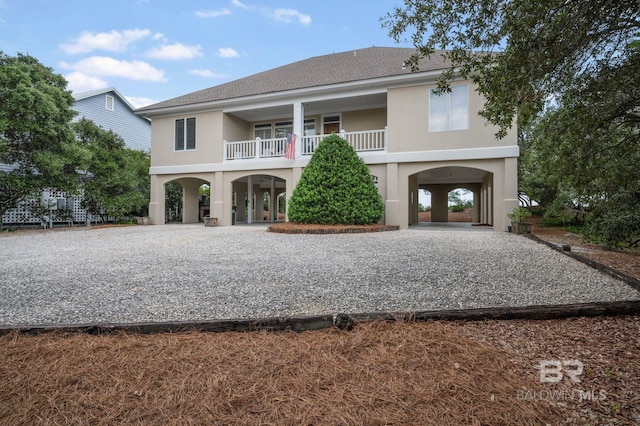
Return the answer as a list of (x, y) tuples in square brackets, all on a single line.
[(156, 204), (250, 199), (273, 201), (490, 201), (413, 199), (439, 203), (476, 205), (510, 189), (391, 205), (190, 197), (241, 191), (217, 200)]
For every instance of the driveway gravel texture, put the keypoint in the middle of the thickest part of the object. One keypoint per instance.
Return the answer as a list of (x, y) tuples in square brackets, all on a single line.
[(196, 273)]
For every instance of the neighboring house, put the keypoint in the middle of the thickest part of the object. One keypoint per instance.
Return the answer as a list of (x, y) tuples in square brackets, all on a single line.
[(109, 110), (233, 137)]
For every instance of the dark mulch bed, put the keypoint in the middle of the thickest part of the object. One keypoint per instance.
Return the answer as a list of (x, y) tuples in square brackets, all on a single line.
[(302, 228)]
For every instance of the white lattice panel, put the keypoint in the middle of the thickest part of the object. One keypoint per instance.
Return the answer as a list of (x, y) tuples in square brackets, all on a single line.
[(23, 214)]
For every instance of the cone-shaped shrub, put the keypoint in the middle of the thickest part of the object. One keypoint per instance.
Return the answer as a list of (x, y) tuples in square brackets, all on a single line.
[(335, 188)]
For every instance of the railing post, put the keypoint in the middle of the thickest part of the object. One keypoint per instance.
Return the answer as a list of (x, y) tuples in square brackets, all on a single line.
[(384, 139), (257, 147)]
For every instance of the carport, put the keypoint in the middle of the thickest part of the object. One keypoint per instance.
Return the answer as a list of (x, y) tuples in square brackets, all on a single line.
[(441, 180)]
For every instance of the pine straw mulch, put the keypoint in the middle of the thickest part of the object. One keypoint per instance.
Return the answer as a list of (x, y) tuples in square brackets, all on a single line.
[(434, 373)]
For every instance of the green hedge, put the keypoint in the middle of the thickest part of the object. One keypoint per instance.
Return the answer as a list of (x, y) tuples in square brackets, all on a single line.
[(336, 188)]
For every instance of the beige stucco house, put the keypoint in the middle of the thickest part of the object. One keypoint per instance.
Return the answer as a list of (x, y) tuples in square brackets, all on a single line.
[(233, 137)]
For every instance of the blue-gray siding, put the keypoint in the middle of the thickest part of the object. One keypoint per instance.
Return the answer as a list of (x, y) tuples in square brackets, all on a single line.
[(135, 130)]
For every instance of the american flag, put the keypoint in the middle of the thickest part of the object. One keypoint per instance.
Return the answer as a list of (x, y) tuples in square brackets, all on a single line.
[(290, 153)]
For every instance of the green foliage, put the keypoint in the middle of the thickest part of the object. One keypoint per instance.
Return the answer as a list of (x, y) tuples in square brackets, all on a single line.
[(336, 188), (456, 202), (519, 214), (454, 197), (616, 222), (35, 134), (422, 208), (204, 190), (173, 202), (115, 178)]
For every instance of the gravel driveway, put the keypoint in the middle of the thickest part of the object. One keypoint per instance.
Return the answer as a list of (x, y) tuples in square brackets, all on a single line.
[(189, 272)]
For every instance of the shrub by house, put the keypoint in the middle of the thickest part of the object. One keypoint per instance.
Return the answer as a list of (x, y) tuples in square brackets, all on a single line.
[(336, 188)]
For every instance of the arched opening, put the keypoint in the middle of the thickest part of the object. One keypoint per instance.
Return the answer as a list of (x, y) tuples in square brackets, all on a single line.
[(258, 198), (187, 200), (451, 194)]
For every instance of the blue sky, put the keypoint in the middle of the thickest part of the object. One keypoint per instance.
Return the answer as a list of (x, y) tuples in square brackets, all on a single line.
[(153, 50)]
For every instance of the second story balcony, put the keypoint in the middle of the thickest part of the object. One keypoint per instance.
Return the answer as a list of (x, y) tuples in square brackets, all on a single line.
[(362, 141)]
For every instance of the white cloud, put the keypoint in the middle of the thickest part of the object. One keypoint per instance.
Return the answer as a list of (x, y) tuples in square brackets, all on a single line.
[(212, 13), (140, 102), (176, 51), (113, 41), (206, 73), (228, 52), (289, 15), (102, 66), (79, 82), (237, 3)]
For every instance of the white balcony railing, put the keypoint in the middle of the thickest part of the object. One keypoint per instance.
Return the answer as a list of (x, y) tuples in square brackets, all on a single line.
[(368, 140)]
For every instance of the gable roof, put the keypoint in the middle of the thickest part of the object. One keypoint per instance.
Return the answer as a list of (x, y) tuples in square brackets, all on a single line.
[(92, 93), (335, 68)]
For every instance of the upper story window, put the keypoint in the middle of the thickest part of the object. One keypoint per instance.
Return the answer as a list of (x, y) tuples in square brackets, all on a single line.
[(185, 138), (449, 111), (262, 131), (331, 124), (109, 103), (310, 127), (282, 128)]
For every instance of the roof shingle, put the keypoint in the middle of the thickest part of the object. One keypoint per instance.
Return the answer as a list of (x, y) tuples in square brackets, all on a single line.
[(335, 68)]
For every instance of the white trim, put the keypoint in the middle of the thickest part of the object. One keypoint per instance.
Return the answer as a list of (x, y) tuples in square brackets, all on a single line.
[(185, 132), (108, 98), (448, 112), (454, 154), (368, 157)]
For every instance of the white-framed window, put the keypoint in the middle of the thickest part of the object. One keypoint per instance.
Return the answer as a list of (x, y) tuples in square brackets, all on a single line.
[(282, 128), (262, 131), (310, 127), (374, 179), (449, 111), (185, 134), (331, 123), (109, 103)]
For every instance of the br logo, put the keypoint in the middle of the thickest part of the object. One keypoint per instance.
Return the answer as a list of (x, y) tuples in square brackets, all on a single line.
[(553, 370)]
